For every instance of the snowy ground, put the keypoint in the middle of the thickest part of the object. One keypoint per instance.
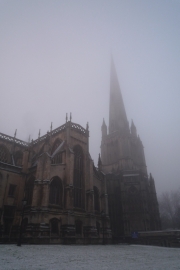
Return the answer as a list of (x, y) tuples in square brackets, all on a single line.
[(111, 257)]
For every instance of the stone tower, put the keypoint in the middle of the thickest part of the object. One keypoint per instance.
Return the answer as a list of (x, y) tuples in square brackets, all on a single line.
[(129, 187)]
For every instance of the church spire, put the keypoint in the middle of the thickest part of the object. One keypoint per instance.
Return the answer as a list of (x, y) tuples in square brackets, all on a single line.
[(117, 114)]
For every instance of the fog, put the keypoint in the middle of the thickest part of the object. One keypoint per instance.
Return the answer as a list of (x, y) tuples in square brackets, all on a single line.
[(55, 59)]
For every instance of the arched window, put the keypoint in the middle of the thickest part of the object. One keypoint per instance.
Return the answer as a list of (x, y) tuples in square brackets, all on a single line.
[(54, 226), (96, 199), (4, 154), (18, 158), (78, 176), (29, 190), (56, 191), (57, 158)]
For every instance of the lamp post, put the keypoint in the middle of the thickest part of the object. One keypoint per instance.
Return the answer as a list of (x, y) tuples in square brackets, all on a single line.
[(21, 226), (103, 216)]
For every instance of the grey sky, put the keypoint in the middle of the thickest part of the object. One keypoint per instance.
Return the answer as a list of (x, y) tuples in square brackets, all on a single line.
[(55, 58)]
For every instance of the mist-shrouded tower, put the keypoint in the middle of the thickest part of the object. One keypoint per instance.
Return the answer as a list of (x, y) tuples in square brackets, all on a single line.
[(132, 198)]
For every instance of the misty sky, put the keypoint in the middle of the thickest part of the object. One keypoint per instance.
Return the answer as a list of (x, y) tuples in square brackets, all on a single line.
[(55, 59)]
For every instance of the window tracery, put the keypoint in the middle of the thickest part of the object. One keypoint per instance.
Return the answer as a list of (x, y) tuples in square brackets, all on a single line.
[(78, 176), (56, 191), (57, 159)]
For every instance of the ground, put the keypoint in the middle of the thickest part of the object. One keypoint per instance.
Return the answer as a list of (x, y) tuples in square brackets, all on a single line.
[(74, 257)]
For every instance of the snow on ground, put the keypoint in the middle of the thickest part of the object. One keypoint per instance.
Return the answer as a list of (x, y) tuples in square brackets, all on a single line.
[(111, 257)]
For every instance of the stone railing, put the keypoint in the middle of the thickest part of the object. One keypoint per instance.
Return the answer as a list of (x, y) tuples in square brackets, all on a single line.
[(40, 139), (73, 126), (12, 139), (78, 128), (58, 129)]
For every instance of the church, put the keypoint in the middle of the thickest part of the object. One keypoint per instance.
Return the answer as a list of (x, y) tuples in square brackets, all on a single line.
[(51, 191)]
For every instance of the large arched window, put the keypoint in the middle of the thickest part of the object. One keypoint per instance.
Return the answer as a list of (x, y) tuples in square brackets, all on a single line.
[(56, 191), (96, 199), (78, 176), (29, 190), (18, 158), (4, 154), (57, 158)]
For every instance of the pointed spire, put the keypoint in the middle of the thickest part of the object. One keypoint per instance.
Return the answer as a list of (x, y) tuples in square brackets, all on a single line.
[(51, 127), (70, 116), (117, 114), (66, 117), (104, 129), (99, 162), (39, 134), (103, 124), (87, 126)]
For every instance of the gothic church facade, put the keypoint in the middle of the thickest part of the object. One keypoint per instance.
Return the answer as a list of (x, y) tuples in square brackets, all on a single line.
[(68, 199)]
